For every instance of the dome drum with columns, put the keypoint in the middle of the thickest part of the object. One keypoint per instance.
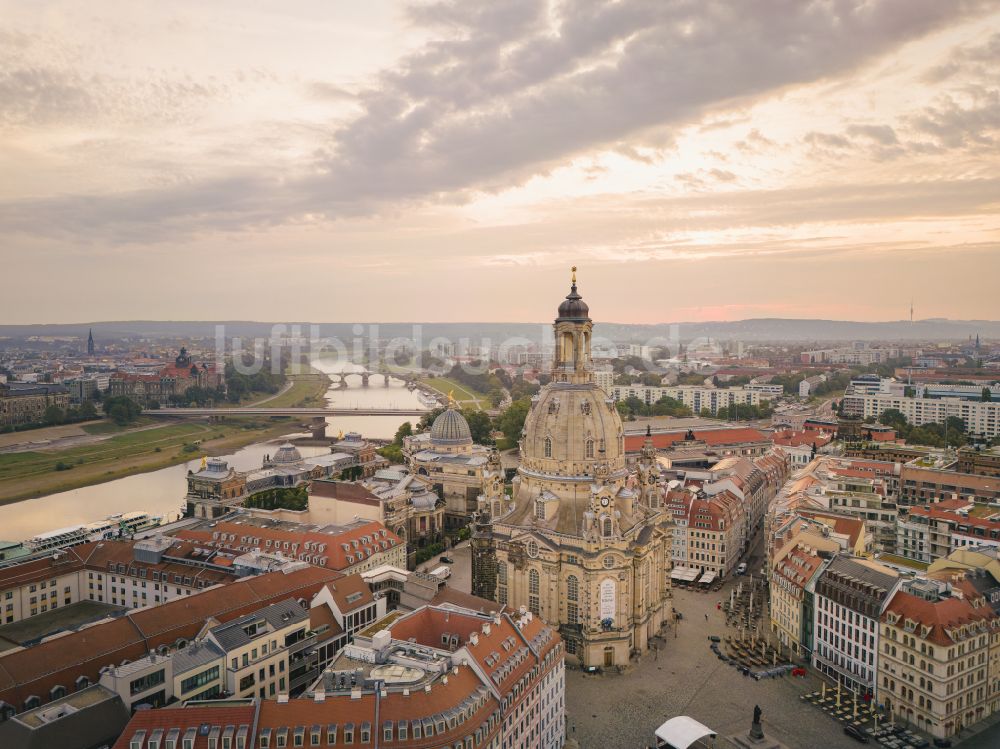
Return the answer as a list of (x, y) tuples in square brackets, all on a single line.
[(584, 543)]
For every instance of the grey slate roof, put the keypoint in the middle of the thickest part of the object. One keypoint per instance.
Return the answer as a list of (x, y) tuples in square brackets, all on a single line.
[(93, 717), (194, 655), (277, 615)]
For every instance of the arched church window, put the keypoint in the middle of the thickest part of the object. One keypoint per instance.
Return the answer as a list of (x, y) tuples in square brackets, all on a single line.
[(572, 588), (539, 510), (548, 447), (534, 584), (590, 448), (606, 526)]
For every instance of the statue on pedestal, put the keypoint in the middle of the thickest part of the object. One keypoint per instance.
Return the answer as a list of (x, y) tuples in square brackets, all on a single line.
[(756, 732)]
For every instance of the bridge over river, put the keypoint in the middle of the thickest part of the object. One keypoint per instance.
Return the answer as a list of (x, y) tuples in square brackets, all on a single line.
[(318, 415)]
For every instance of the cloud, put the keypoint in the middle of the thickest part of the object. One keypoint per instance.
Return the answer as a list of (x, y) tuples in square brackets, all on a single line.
[(502, 92)]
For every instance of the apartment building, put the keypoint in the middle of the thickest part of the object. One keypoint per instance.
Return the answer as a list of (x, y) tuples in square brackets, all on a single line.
[(794, 570), (929, 532), (32, 676), (193, 672), (695, 397), (850, 597), (716, 530), (980, 417), (939, 657), (443, 677), (919, 485)]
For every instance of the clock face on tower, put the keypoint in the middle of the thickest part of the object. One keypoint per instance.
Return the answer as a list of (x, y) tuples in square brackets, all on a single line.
[(605, 501)]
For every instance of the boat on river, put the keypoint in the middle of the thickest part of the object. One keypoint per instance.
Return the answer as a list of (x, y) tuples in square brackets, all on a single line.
[(120, 525)]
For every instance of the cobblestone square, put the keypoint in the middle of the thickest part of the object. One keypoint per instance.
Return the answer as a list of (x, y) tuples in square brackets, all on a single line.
[(685, 678)]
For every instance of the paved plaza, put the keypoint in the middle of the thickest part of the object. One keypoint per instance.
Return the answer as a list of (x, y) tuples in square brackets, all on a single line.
[(685, 678)]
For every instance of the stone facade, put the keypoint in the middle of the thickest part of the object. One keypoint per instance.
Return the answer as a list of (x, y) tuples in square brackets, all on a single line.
[(449, 461), (22, 404), (583, 542)]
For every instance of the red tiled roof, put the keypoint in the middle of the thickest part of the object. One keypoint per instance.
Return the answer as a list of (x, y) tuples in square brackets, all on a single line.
[(665, 440), (35, 670), (219, 716), (939, 615), (334, 552)]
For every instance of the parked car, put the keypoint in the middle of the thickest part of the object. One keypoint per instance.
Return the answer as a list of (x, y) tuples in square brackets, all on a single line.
[(856, 733), (741, 568), (447, 560), (715, 638)]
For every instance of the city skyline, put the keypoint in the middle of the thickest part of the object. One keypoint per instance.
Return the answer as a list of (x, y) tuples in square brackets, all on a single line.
[(394, 162)]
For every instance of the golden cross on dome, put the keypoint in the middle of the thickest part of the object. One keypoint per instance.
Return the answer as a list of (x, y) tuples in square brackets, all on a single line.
[(574, 274)]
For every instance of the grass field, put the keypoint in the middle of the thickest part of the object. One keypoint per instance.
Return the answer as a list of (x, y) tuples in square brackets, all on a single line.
[(463, 395), (130, 450)]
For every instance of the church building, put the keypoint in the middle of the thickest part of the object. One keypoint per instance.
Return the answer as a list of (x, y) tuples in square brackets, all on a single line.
[(584, 542)]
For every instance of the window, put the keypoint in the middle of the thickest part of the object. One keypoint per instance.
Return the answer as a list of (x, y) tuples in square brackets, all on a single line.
[(607, 529), (589, 449), (147, 682), (199, 680), (572, 588), (548, 447), (533, 588)]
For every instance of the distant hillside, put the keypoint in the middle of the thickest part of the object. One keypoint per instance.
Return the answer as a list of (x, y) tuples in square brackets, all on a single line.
[(755, 330)]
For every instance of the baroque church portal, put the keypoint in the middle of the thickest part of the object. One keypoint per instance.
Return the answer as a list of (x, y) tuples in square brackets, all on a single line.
[(583, 542)]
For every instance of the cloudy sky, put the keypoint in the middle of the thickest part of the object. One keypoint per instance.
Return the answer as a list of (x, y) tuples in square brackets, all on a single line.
[(329, 160)]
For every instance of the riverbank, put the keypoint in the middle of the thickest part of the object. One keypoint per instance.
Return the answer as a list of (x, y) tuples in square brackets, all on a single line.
[(35, 473), (462, 394)]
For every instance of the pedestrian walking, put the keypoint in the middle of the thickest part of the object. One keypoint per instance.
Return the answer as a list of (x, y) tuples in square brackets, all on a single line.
[(706, 617)]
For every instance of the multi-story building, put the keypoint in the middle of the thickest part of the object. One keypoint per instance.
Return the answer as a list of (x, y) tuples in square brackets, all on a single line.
[(939, 655), (979, 461), (442, 677), (695, 397), (795, 569), (167, 383), (256, 648), (135, 574), (51, 669), (865, 498), (809, 384), (850, 596), (919, 485), (193, 672), (353, 547), (980, 417), (714, 530), (26, 403), (398, 500), (929, 532), (861, 355)]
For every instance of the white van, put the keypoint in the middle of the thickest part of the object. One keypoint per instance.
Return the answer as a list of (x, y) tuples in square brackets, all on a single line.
[(741, 568), (443, 572)]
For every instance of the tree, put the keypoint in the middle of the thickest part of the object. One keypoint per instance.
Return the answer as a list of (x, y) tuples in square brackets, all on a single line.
[(54, 415), (121, 409), (428, 418), (480, 425), (511, 421), (894, 418), (87, 410), (405, 430), (987, 395)]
